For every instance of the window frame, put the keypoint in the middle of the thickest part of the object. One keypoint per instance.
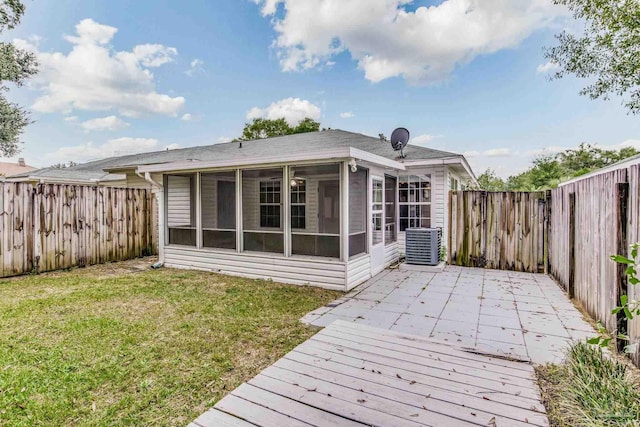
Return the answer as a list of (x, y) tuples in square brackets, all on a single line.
[(295, 190), (409, 204), (273, 203), (377, 210)]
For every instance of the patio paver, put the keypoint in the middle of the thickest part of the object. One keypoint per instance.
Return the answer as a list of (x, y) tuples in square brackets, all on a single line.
[(520, 315)]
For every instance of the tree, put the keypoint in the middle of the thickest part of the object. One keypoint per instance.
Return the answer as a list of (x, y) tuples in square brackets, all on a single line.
[(608, 50), (550, 170), (64, 165), (489, 181), (267, 128), (16, 65)]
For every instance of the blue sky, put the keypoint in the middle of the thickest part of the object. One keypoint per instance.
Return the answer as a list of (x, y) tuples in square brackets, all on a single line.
[(461, 75)]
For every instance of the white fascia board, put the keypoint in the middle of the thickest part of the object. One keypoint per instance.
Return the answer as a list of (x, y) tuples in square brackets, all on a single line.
[(375, 159), (455, 160), (337, 154)]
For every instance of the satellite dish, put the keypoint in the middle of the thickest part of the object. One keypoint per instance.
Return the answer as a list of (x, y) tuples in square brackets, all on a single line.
[(399, 139)]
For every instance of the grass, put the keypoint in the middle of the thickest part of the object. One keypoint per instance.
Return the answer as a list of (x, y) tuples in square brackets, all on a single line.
[(98, 347), (589, 389)]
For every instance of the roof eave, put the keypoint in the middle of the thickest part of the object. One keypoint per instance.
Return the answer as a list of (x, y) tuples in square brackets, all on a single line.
[(449, 160), (336, 154)]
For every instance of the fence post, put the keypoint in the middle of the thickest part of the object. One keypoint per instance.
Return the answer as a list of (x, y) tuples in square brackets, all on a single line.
[(622, 193), (547, 233), (572, 242)]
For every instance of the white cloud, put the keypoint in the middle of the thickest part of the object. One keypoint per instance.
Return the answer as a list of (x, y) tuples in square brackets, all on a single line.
[(347, 115), (186, 117), (292, 109), (109, 123), (423, 139), (547, 68), (498, 152), (387, 40), (196, 66), (224, 139), (94, 77), (154, 55), (70, 118), (472, 153), (113, 147)]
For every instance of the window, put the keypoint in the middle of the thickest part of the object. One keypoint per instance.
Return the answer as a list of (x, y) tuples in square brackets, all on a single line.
[(315, 210), (358, 211), (298, 204), (389, 209), (376, 210), (270, 204), (414, 199), (453, 184), (218, 193), (180, 205), (262, 210)]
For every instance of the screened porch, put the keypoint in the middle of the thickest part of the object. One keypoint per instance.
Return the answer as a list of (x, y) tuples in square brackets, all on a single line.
[(308, 210)]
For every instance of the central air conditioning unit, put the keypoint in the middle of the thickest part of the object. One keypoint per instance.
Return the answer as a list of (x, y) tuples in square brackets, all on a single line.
[(423, 246)]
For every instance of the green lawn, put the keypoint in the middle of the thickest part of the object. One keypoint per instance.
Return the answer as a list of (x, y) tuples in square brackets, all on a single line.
[(107, 346)]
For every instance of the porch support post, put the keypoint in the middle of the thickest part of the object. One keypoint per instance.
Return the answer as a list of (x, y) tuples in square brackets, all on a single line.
[(239, 240), (344, 212), (198, 212), (161, 215), (286, 206)]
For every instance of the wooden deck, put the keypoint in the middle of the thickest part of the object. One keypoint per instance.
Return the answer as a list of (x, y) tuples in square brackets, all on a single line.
[(354, 375)]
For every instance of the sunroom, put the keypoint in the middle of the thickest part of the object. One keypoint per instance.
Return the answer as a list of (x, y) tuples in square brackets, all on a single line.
[(327, 219)]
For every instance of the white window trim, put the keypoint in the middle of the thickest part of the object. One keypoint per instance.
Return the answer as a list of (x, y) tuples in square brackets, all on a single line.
[(423, 177), (375, 212)]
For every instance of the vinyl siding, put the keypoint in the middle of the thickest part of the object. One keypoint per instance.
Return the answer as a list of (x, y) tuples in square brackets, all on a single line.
[(178, 201), (294, 270), (358, 271)]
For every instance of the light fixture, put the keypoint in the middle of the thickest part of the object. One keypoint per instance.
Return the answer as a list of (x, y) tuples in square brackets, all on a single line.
[(294, 182), (354, 166)]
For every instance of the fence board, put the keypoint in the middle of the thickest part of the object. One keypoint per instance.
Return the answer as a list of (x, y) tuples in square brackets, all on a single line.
[(595, 231), (633, 236), (502, 230), (53, 226)]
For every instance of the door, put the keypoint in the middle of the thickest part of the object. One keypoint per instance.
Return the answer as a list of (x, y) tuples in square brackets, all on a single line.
[(329, 207), (226, 205), (377, 225)]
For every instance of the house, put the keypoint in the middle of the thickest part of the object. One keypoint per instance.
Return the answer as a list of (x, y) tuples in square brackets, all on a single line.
[(324, 208), (10, 169)]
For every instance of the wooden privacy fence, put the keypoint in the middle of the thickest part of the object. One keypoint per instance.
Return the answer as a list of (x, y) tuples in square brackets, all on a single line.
[(52, 226), (502, 230), (592, 219), (569, 232)]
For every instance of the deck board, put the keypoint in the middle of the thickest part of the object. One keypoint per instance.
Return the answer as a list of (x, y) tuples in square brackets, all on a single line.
[(353, 375)]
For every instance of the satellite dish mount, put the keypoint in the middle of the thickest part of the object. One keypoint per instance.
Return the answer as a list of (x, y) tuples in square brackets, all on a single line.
[(399, 140)]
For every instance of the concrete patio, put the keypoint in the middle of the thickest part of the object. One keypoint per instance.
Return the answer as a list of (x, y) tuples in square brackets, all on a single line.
[(519, 315)]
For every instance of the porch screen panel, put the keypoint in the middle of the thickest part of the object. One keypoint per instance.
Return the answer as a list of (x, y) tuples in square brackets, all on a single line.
[(358, 212), (315, 210), (218, 192), (180, 200), (390, 199), (262, 211)]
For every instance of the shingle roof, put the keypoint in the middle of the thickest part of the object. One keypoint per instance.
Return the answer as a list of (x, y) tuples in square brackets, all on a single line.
[(308, 142), (11, 169)]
